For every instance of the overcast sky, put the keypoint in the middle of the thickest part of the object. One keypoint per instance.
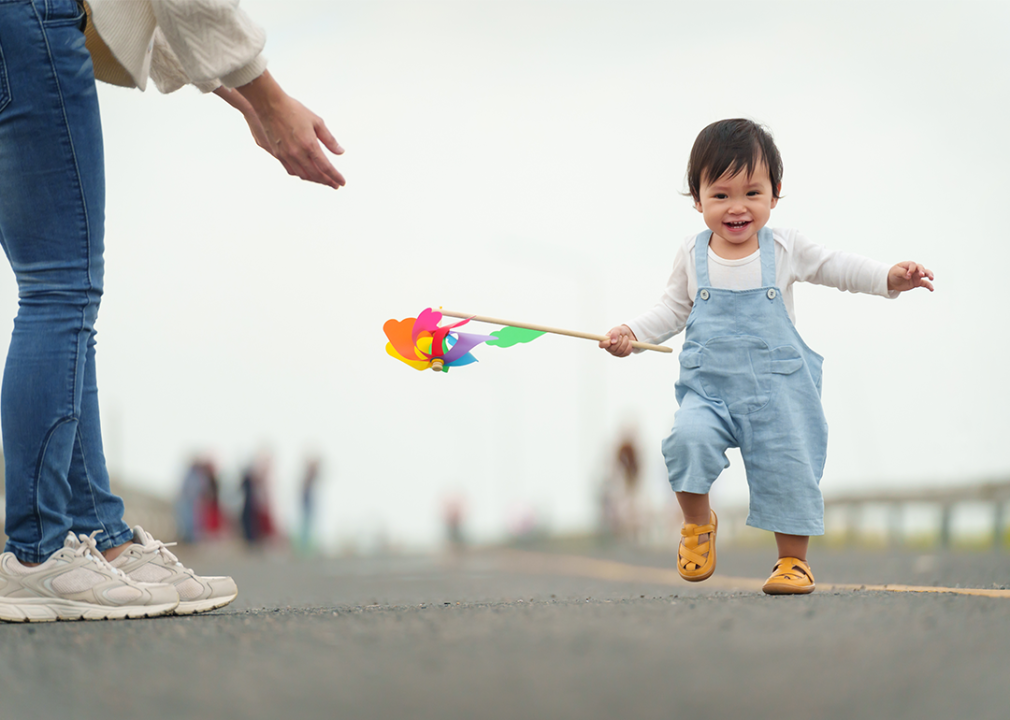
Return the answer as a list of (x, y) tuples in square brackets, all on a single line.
[(525, 161)]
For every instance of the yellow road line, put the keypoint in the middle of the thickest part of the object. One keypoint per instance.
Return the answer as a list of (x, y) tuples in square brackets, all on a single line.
[(579, 566), (980, 592)]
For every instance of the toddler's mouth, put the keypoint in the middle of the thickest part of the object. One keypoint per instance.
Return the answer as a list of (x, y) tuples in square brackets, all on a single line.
[(738, 224)]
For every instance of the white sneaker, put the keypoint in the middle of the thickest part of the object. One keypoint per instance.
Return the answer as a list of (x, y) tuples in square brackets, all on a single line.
[(149, 560), (77, 583)]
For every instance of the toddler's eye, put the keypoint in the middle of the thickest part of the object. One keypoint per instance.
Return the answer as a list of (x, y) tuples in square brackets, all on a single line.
[(720, 196), (754, 193)]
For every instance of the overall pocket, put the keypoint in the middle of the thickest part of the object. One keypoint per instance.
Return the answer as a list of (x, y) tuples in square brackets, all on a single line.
[(737, 369)]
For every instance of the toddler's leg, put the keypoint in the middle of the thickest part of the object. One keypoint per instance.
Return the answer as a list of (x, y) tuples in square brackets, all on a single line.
[(695, 453), (696, 553), (695, 507), (695, 449), (791, 575), (794, 546)]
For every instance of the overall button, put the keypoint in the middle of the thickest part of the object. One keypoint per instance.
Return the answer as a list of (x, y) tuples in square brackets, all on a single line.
[(704, 294), (771, 293)]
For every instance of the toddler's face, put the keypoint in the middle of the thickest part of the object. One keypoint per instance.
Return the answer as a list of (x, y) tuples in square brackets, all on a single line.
[(736, 208)]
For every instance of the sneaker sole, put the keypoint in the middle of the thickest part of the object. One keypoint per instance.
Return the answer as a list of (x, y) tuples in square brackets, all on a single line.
[(50, 610), (198, 606)]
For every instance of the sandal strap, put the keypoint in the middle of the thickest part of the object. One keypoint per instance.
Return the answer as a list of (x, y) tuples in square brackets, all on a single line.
[(690, 551), (693, 555), (794, 564), (690, 530)]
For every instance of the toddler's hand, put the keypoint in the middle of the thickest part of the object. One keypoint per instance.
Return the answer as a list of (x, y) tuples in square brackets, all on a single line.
[(619, 344), (908, 275)]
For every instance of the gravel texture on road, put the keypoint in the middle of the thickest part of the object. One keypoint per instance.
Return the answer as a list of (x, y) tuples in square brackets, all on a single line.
[(472, 637)]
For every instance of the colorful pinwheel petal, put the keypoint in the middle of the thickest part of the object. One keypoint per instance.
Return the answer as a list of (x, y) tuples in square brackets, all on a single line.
[(423, 344)]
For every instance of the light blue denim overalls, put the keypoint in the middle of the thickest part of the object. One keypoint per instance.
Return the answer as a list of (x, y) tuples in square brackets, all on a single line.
[(748, 380)]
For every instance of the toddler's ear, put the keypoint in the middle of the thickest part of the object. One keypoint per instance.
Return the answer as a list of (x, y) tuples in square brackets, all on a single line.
[(697, 205)]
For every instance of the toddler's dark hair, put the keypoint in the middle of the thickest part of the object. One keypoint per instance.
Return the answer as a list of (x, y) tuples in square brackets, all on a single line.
[(732, 146)]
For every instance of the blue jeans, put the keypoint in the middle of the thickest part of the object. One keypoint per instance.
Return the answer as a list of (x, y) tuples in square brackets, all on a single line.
[(52, 226)]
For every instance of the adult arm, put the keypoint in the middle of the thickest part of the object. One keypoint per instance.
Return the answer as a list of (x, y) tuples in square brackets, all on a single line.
[(291, 131), (211, 39), (235, 99)]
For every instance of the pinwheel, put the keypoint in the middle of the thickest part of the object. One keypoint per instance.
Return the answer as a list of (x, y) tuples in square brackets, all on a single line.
[(422, 343)]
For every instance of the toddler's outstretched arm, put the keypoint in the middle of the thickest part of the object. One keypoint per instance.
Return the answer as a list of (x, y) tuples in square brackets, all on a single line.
[(619, 344), (908, 275)]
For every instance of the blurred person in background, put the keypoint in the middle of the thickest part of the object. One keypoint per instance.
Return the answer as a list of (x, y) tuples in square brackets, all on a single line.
[(310, 483), (621, 503), (257, 517), (453, 515), (211, 518), (187, 504), (198, 515), (69, 553)]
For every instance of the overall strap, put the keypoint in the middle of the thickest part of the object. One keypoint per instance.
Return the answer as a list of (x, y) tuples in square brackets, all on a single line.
[(701, 258), (766, 244)]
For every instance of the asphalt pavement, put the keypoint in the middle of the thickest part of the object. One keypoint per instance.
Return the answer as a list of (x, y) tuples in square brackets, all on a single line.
[(545, 632)]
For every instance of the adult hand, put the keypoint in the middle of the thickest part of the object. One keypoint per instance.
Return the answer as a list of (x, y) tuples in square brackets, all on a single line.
[(258, 132), (618, 342), (908, 275), (291, 132), (238, 102)]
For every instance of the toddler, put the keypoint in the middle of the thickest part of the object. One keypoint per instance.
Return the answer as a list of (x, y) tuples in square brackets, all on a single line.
[(747, 379)]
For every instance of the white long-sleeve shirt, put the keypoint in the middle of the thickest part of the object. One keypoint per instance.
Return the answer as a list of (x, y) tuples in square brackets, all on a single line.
[(206, 43), (796, 260)]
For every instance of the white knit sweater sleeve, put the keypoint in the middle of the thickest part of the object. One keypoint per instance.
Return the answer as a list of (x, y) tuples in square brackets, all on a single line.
[(166, 70), (849, 272), (669, 316), (207, 42)]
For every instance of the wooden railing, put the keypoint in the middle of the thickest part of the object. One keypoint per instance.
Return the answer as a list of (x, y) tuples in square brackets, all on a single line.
[(995, 492)]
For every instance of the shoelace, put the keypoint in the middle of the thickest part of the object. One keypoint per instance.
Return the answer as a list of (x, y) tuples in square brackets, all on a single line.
[(89, 547), (163, 548)]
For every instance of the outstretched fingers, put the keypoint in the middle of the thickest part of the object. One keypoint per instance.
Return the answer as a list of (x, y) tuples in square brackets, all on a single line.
[(299, 136), (288, 130), (909, 275), (324, 170), (326, 138), (309, 163), (919, 275)]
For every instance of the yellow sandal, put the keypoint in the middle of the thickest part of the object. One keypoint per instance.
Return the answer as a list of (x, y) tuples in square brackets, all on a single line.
[(791, 576), (692, 564)]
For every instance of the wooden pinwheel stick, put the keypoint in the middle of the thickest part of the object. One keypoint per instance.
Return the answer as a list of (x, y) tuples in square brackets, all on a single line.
[(554, 330)]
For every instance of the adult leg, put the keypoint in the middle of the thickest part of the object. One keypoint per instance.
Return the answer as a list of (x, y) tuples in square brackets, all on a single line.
[(93, 505), (52, 196)]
